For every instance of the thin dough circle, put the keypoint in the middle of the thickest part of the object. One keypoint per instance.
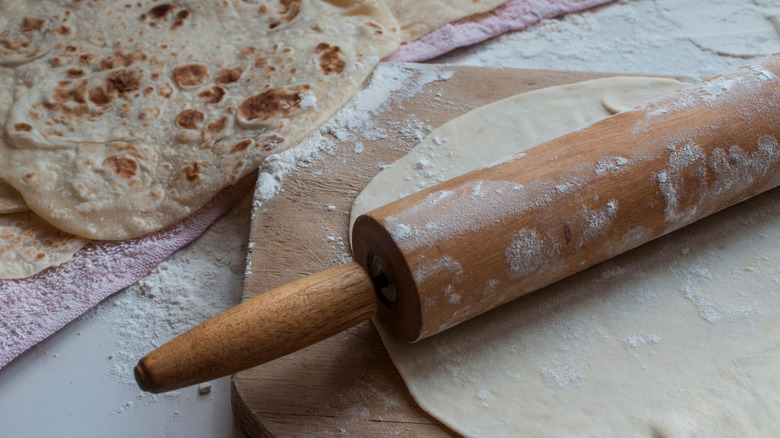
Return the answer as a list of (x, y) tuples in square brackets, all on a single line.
[(679, 337)]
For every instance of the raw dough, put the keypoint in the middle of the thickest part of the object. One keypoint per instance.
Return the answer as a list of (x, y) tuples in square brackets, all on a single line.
[(678, 338)]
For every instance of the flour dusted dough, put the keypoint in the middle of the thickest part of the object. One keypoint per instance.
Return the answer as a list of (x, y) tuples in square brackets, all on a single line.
[(678, 338)]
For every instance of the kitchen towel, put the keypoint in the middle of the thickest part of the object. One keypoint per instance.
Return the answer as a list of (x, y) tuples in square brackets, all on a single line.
[(511, 16)]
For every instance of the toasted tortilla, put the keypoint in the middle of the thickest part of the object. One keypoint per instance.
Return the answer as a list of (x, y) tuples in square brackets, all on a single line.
[(418, 18), (28, 245), (10, 199), (125, 117)]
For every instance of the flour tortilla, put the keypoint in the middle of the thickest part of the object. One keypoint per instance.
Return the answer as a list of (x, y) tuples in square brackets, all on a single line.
[(10, 199), (28, 245), (418, 18), (128, 116), (680, 337)]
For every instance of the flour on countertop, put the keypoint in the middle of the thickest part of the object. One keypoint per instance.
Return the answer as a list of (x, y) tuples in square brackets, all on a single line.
[(181, 292)]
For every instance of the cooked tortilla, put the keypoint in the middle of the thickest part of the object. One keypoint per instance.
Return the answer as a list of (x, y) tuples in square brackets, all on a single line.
[(418, 18), (28, 245), (10, 200), (125, 117)]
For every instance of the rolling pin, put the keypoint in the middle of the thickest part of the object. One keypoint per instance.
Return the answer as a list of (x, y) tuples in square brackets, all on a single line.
[(458, 249)]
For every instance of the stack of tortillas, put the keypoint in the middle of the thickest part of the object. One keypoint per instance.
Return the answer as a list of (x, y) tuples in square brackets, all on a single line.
[(121, 118)]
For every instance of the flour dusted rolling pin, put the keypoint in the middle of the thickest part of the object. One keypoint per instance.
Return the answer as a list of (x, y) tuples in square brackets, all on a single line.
[(456, 250)]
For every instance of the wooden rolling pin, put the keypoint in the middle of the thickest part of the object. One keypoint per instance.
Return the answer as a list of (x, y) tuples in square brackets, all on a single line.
[(451, 252)]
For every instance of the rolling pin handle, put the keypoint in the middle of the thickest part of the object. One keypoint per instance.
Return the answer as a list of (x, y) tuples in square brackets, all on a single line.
[(269, 326)]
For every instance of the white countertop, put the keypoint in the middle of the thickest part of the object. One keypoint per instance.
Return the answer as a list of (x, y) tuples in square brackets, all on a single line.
[(79, 381)]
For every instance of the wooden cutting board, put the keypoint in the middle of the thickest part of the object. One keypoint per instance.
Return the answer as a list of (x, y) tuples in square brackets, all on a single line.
[(347, 385)]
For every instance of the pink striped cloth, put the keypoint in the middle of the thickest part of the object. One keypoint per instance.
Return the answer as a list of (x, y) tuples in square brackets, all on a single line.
[(33, 308), (512, 15)]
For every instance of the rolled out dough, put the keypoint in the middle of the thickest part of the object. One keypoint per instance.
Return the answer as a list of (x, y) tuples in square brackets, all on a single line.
[(678, 338)]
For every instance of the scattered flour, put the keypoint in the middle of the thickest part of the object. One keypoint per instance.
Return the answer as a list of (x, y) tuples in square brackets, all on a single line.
[(355, 122), (687, 37), (181, 292)]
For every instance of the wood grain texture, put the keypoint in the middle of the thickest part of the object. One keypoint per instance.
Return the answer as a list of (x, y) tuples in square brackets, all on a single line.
[(347, 385)]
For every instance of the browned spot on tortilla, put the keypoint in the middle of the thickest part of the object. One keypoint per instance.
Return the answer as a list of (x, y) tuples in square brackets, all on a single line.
[(290, 8), (86, 59), (241, 145), (124, 81), (75, 73), (22, 127), (330, 61), (279, 101), (261, 62), (378, 28), (181, 17), (30, 24), (118, 84), (228, 75), (162, 12), (215, 127), (30, 175), (121, 60), (190, 75), (190, 119), (247, 52), (192, 171), (63, 30), (55, 62), (263, 9), (124, 167), (77, 94), (213, 95), (70, 49), (132, 150), (165, 90), (271, 142), (40, 256)]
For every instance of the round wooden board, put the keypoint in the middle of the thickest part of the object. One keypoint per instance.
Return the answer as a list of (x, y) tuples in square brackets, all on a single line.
[(347, 385)]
